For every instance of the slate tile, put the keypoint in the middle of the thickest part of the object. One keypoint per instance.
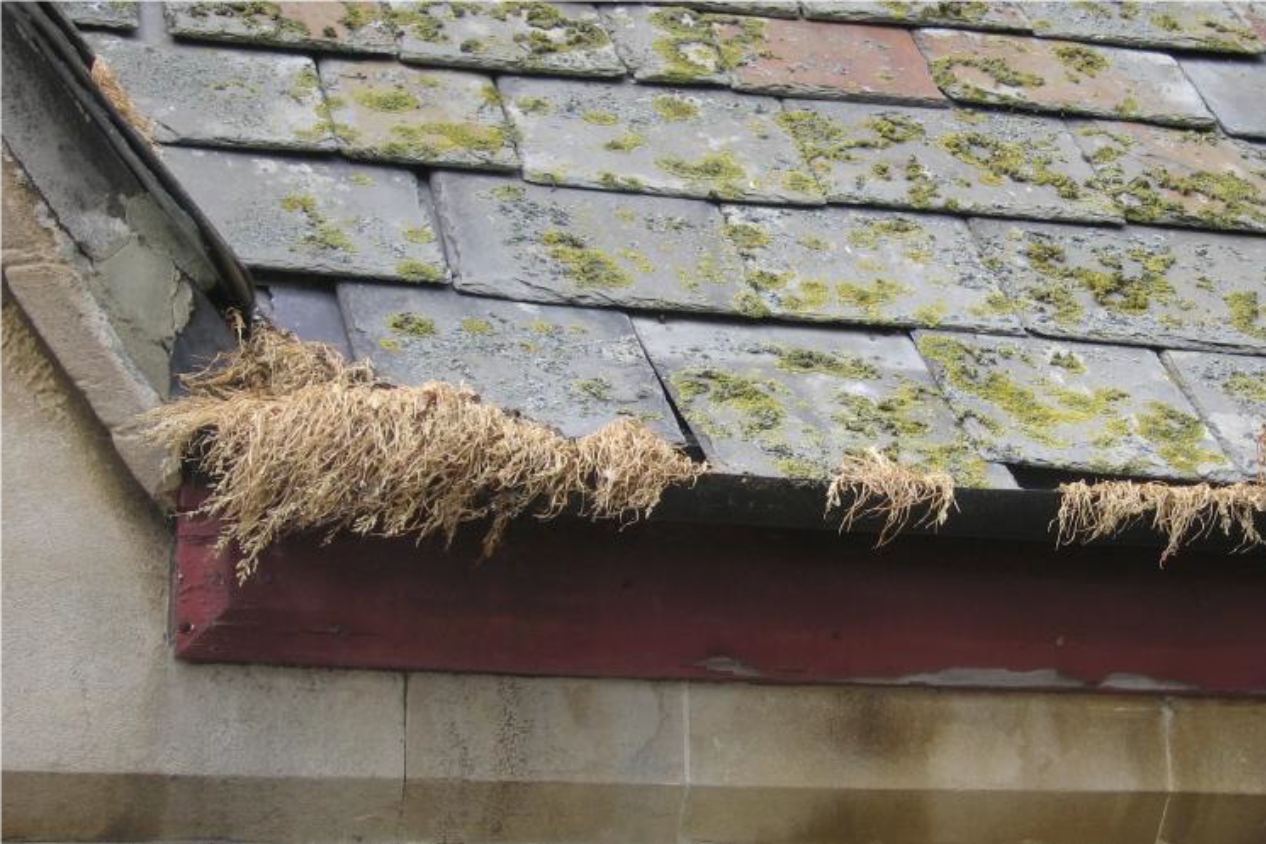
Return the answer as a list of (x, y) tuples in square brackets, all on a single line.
[(924, 158), (386, 111), (768, 8), (346, 27), (865, 266), (1187, 26), (673, 141), (1230, 393), (221, 97), (782, 401), (327, 217), (521, 241), (1159, 175), (100, 13), (1062, 76), (992, 15), (573, 368), (1138, 285), (829, 60), (670, 44), (1072, 406), (310, 313), (1254, 15), (1233, 90), (555, 38)]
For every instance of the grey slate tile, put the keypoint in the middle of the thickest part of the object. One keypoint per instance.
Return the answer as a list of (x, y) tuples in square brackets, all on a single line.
[(311, 313), (556, 38), (781, 401), (103, 13), (1188, 26), (1138, 285), (1233, 89), (327, 217), (866, 266), (221, 97), (928, 158), (344, 27), (521, 241), (386, 111), (573, 368), (670, 44), (673, 141), (767, 8), (1072, 406), (992, 15), (1230, 392), (1034, 74), (1159, 175)]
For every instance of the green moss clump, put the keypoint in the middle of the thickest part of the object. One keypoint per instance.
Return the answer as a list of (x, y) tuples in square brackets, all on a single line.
[(475, 325), (686, 45), (1176, 436), (305, 84), (754, 401), (322, 233), (625, 143), (816, 244), (1081, 60), (584, 266), (359, 15), (741, 39), (1111, 285), (1244, 386), (360, 180), (1167, 22), (614, 181), (598, 117), (746, 236), (598, 389), (1248, 316), (550, 31), (895, 417), (638, 260), (533, 105), (427, 140), (871, 298), (412, 269), (749, 304), (718, 172), (995, 68), (921, 190), (416, 19), (871, 233), (798, 182), (799, 468), (674, 108), (1069, 361), (1001, 161), (802, 361), (509, 193), (411, 324), (420, 236)]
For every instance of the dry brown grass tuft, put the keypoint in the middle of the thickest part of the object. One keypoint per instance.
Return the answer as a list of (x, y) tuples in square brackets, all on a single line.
[(118, 97), (877, 486), (1183, 513), (294, 439)]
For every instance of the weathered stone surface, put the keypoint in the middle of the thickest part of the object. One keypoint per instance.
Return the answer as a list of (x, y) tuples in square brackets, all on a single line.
[(1161, 175), (572, 368), (992, 15), (345, 27), (855, 265), (829, 60), (515, 240), (327, 217), (983, 162), (1073, 406), (1233, 90), (778, 401), (666, 44), (311, 313), (764, 8), (1061, 76), (1230, 392), (1188, 26), (107, 15), (555, 38), (391, 112), (221, 97), (656, 140), (1144, 286)]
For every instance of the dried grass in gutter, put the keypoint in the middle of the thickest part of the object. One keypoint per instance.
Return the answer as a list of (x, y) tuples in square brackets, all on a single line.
[(118, 97), (295, 439), (879, 487)]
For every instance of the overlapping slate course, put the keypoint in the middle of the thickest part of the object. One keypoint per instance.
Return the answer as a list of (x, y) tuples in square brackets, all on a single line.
[(1062, 77), (1214, 27), (346, 27), (327, 217), (1233, 90), (573, 368), (107, 14), (1139, 285), (987, 16), (1230, 392), (386, 111)]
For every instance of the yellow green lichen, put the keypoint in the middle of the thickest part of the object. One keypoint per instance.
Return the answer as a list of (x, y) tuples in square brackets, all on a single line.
[(754, 401), (1069, 361), (1112, 285), (841, 364), (475, 325), (894, 417), (533, 105), (599, 117), (1244, 386), (814, 243), (509, 193), (416, 20), (1176, 436), (412, 269), (321, 233), (717, 172), (638, 259), (1081, 60), (1000, 161), (304, 85), (625, 143), (420, 236), (871, 298), (390, 101), (614, 181), (584, 266), (411, 324), (598, 389), (749, 304), (1248, 315), (747, 236), (869, 234), (427, 140), (997, 69), (798, 182), (685, 45), (674, 108)]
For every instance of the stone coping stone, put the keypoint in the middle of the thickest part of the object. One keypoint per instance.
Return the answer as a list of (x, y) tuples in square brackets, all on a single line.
[(516, 240), (671, 44), (386, 111), (789, 402), (1073, 406), (963, 161), (1183, 178), (1230, 392), (1034, 74), (565, 39), (1212, 27), (672, 141), (1233, 90), (1139, 285), (328, 217), (866, 266), (992, 15), (345, 27), (104, 14), (221, 97), (802, 58), (575, 369)]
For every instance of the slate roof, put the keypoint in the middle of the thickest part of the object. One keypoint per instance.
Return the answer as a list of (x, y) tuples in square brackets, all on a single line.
[(983, 237)]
